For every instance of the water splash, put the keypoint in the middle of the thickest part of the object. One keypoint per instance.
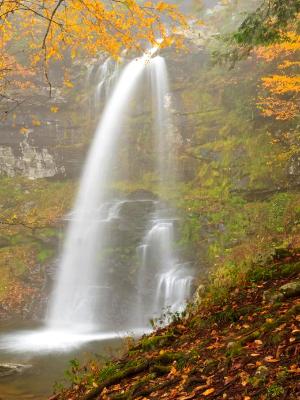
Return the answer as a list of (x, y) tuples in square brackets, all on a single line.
[(174, 288), (165, 284)]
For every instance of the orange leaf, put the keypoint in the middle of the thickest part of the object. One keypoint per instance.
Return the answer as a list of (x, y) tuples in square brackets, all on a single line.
[(208, 392), (270, 359)]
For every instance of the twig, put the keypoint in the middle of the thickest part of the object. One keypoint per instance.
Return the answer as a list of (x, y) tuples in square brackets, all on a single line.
[(51, 21), (216, 394)]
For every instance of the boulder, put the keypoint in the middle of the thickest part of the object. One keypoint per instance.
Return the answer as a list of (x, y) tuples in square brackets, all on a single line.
[(291, 289), (7, 369), (269, 296), (199, 294)]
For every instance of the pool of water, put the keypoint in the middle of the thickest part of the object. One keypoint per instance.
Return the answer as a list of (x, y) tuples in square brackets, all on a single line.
[(47, 355)]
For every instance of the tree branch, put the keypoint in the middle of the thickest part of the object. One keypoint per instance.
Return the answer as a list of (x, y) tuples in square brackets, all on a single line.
[(51, 21)]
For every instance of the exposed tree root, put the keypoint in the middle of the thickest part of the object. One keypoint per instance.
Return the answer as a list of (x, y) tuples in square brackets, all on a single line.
[(157, 387), (164, 359), (268, 326), (126, 373)]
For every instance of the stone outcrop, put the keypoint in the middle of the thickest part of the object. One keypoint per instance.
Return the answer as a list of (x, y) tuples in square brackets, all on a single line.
[(31, 162)]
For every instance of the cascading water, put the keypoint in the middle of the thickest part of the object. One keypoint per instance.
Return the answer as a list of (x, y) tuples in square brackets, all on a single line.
[(74, 300), (165, 284), (105, 76)]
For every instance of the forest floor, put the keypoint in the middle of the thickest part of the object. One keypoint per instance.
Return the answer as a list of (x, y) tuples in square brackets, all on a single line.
[(246, 347)]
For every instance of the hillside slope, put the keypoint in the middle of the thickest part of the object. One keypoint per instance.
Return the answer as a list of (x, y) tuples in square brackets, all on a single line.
[(245, 346)]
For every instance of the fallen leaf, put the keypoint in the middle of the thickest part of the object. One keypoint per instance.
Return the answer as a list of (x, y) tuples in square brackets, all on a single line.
[(228, 379), (280, 328), (208, 392), (198, 388), (24, 131), (270, 359), (294, 368), (294, 371), (173, 371), (245, 378)]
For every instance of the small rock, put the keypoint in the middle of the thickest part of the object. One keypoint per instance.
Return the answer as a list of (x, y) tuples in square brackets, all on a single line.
[(269, 296), (262, 372), (231, 345), (198, 295), (290, 289)]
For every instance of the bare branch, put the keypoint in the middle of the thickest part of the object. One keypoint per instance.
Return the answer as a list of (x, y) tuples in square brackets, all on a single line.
[(51, 20)]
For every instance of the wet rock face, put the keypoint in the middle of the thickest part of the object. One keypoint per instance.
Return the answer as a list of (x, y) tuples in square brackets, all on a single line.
[(45, 136), (31, 162), (132, 221), (126, 230), (293, 169)]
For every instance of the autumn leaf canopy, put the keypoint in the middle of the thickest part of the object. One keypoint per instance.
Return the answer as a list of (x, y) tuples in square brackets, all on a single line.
[(33, 32)]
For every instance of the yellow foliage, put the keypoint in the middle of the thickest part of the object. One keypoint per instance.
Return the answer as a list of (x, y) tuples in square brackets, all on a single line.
[(283, 88), (24, 131), (36, 122), (53, 28)]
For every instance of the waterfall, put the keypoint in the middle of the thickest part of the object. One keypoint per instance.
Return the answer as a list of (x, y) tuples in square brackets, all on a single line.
[(164, 283), (75, 298), (93, 298)]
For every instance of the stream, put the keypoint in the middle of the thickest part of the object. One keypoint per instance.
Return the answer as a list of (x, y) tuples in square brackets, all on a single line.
[(43, 368)]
